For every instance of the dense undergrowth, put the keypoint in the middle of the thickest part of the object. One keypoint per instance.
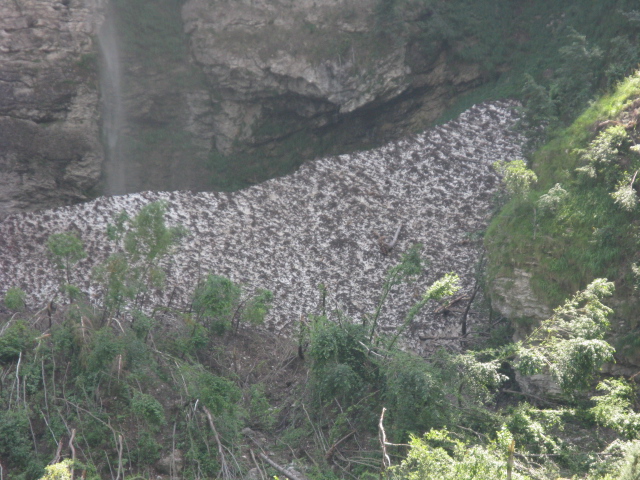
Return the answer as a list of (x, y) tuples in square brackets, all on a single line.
[(118, 387)]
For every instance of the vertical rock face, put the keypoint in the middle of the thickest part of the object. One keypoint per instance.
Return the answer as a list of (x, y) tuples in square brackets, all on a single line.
[(247, 89), (50, 151), (282, 66), (163, 119)]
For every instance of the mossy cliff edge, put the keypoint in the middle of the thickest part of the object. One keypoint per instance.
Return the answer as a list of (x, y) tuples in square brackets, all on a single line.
[(579, 222)]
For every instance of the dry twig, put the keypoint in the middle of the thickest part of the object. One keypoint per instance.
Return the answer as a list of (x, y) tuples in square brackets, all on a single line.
[(382, 436), (332, 450), (73, 452), (223, 461)]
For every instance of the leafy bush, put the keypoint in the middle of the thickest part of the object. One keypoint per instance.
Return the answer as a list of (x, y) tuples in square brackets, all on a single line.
[(15, 439), (141, 243), (577, 77), (570, 345), (261, 413), (65, 250), (553, 199), (219, 302), (257, 307), (58, 471), (15, 298), (601, 157), (14, 340), (631, 468), (614, 409), (440, 456), (517, 178), (148, 408), (414, 395), (216, 301), (218, 394)]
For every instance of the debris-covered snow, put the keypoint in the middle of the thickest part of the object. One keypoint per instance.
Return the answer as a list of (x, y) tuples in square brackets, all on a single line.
[(312, 227)]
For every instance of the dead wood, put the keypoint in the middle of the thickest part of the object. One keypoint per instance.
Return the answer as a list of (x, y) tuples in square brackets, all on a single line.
[(223, 461), (280, 468), (332, 450)]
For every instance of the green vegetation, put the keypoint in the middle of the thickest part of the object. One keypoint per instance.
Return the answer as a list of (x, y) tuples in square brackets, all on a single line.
[(564, 52), (124, 386), (580, 220), (15, 298), (130, 388), (439, 456)]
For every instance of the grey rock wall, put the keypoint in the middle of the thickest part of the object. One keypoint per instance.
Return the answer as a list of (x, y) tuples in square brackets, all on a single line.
[(50, 150), (315, 62), (216, 77)]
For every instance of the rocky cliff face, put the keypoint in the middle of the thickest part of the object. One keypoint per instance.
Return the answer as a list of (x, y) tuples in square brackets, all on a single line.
[(280, 67), (252, 88), (50, 151)]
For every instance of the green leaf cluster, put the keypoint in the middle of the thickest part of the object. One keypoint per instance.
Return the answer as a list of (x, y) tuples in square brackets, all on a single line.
[(517, 178), (438, 455), (570, 345), (15, 299)]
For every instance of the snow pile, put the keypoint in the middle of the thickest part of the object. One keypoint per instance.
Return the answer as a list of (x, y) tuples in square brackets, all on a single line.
[(312, 227)]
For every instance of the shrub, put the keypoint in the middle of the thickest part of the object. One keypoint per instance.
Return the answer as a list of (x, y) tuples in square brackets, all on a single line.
[(65, 249), (142, 242), (261, 414), (631, 468), (439, 456), (570, 345), (614, 409), (216, 300), (15, 298), (517, 178), (58, 471), (148, 408), (15, 339), (553, 199), (15, 439), (257, 307)]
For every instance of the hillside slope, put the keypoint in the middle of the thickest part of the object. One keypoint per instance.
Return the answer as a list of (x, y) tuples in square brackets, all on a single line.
[(579, 222)]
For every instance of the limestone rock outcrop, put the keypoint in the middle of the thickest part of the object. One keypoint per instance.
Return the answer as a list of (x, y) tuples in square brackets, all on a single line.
[(513, 297), (280, 66), (204, 80), (50, 149)]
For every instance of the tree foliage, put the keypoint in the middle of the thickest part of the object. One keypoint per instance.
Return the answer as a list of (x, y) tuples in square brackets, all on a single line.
[(438, 455), (65, 250), (142, 242), (570, 345), (517, 178), (15, 299)]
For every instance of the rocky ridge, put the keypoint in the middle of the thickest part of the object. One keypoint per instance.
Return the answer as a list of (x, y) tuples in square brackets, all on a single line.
[(314, 226)]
